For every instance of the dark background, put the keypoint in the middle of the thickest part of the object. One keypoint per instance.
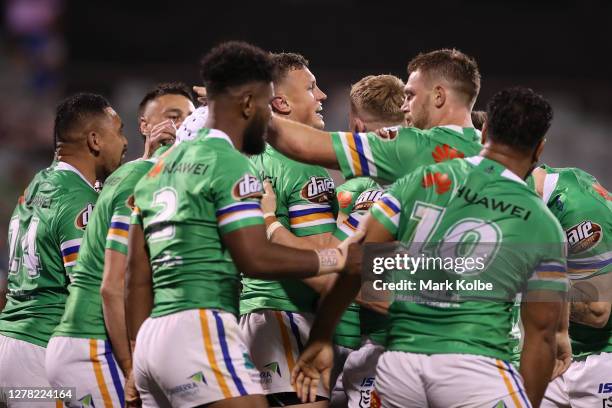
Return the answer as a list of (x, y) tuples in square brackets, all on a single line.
[(50, 48)]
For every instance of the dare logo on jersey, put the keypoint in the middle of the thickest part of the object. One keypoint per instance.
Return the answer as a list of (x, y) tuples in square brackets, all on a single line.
[(583, 236), (248, 186), (82, 217), (441, 181), (367, 200), (319, 190), (445, 152)]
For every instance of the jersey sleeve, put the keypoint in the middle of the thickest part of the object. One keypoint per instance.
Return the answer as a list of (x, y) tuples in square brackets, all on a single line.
[(72, 218), (367, 154), (551, 271), (348, 227), (236, 194), (117, 236)]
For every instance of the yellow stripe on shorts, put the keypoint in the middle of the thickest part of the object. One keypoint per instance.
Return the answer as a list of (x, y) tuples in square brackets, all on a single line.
[(93, 356), (286, 341), (500, 367), (210, 353)]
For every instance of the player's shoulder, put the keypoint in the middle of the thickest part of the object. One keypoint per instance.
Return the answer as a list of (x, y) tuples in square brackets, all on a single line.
[(276, 162), (68, 182)]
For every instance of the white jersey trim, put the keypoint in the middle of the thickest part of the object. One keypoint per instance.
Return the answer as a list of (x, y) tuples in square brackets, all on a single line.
[(550, 183)]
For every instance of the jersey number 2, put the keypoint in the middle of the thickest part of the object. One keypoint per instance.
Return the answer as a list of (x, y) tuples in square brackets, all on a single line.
[(167, 199)]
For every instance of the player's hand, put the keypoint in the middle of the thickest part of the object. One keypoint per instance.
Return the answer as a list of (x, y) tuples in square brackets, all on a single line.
[(353, 251), (564, 355), (313, 367), (268, 201), (164, 133), (132, 398), (202, 96)]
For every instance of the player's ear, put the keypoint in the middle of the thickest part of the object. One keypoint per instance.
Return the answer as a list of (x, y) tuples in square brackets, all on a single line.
[(360, 126), (247, 105), (280, 105), (143, 126), (94, 142), (439, 96)]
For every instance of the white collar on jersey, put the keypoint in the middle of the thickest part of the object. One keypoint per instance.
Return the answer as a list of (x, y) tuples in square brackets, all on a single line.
[(459, 129), (219, 134), (550, 183), (68, 167), (476, 160)]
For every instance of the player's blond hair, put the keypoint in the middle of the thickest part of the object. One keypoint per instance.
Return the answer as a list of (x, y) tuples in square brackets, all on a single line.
[(380, 96)]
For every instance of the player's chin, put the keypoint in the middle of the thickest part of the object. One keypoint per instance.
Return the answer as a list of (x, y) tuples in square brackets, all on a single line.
[(318, 122)]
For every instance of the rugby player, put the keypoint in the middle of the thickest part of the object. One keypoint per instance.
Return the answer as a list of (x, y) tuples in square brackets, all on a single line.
[(584, 210), (45, 234), (89, 348), (440, 92), (198, 222), (276, 315), (441, 352)]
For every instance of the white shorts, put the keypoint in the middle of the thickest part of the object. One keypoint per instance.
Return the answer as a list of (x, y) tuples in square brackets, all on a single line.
[(338, 396), (275, 340), (586, 383), (409, 380), (90, 367), (192, 357), (359, 373), (22, 364)]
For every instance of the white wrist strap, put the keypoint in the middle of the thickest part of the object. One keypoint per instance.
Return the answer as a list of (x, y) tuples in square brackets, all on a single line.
[(273, 227)]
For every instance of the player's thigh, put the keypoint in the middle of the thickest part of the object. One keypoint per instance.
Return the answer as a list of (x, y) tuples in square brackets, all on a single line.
[(398, 381), (195, 357), (27, 369), (462, 380), (89, 366), (589, 382), (359, 374), (275, 340)]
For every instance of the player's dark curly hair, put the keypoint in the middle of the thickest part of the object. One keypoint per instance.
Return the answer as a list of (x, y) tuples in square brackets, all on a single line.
[(518, 117), (234, 63), (72, 111), (166, 88), (285, 62)]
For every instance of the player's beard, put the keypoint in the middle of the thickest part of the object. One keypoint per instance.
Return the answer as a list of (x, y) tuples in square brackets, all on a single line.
[(421, 120), (253, 141)]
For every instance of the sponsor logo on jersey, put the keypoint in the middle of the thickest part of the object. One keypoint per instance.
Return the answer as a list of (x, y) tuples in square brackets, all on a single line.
[(319, 190), (441, 181), (375, 400), (87, 401), (367, 200), (604, 388), (445, 152), (602, 191), (583, 236), (273, 367), (248, 186), (82, 217), (500, 404), (344, 199), (492, 204), (197, 377), (247, 361)]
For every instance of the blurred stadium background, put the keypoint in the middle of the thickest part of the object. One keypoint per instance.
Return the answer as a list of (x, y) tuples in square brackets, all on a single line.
[(51, 48)]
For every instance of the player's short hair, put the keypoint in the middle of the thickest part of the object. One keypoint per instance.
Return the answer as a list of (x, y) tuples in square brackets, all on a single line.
[(234, 63), (381, 96), (285, 62), (75, 109), (478, 119), (519, 118), (166, 88), (454, 66)]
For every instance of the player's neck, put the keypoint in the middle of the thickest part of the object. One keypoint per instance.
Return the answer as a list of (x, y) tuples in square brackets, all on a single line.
[(85, 165), (517, 163), (456, 116), (227, 125)]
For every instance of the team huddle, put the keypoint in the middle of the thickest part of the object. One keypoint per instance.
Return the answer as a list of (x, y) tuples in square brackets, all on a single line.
[(225, 268)]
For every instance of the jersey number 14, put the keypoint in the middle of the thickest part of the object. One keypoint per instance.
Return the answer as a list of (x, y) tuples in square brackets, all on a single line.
[(28, 256)]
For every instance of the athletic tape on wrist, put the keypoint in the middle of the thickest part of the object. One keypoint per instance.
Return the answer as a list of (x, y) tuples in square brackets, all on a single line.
[(273, 227)]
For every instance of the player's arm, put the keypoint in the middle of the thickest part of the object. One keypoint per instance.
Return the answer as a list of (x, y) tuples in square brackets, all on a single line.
[(591, 305), (302, 143), (564, 345), (540, 321), (138, 282)]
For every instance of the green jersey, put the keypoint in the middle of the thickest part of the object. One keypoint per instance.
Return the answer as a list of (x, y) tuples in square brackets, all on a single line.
[(305, 205), (495, 215), (108, 229), (584, 209), (197, 192), (386, 160), (355, 197), (44, 240)]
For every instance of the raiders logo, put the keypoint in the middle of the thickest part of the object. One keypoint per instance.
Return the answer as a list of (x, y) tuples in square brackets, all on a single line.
[(367, 199), (319, 190), (583, 236), (248, 186), (82, 217)]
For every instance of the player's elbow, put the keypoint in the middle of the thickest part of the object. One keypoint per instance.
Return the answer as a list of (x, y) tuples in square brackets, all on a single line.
[(600, 314), (110, 291)]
